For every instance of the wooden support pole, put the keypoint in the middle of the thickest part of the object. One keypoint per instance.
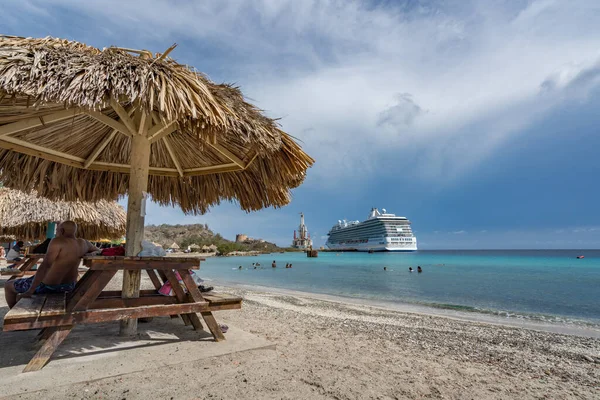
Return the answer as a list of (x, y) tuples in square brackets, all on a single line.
[(34, 122), (235, 159), (138, 185)]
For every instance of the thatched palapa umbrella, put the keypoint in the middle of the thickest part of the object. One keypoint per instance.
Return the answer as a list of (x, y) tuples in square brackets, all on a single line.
[(77, 122), (26, 216), (7, 238)]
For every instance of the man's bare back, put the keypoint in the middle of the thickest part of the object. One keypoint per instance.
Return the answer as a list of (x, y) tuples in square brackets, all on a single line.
[(58, 272), (68, 256)]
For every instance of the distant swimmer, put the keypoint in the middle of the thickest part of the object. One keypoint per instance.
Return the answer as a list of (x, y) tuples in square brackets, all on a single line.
[(240, 267), (274, 264), (255, 267), (385, 268), (290, 266), (410, 269), (419, 270)]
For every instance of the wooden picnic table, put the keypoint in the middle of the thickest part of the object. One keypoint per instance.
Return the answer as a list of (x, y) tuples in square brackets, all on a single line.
[(56, 314), (23, 266)]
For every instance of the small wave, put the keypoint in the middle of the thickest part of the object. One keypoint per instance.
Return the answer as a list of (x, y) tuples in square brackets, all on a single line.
[(555, 319)]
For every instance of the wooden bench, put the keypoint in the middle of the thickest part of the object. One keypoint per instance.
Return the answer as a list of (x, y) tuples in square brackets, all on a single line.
[(57, 314), (47, 310)]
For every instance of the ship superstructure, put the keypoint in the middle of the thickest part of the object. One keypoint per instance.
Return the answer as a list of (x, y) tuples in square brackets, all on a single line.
[(379, 232)]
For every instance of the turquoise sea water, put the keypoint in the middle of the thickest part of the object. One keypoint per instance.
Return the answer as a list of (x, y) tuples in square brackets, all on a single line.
[(536, 284)]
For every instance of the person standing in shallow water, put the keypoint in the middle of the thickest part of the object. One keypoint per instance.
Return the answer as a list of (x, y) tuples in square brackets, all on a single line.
[(419, 270), (274, 264)]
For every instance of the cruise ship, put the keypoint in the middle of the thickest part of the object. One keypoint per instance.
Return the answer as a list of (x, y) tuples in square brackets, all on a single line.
[(379, 232)]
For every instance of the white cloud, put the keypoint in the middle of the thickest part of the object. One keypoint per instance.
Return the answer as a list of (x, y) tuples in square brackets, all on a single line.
[(449, 81)]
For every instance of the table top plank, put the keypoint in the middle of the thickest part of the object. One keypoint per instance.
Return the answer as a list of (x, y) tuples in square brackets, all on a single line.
[(140, 263)]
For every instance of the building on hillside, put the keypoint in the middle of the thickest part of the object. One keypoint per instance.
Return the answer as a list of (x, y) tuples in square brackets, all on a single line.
[(302, 238), (194, 247), (241, 238)]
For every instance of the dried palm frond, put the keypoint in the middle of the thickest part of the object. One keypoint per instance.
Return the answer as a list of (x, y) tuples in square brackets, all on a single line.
[(60, 101)]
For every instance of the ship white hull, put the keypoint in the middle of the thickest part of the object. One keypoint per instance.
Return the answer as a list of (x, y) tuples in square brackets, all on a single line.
[(373, 246), (379, 232)]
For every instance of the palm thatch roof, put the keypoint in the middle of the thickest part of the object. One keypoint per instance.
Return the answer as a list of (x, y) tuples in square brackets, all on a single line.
[(7, 238), (26, 216), (174, 246), (68, 113)]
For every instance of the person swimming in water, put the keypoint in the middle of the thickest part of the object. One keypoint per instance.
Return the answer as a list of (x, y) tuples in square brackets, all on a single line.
[(274, 264), (419, 270), (240, 267), (385, 268), (410, 269)]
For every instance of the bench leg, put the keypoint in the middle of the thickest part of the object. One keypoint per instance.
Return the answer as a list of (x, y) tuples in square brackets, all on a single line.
[(44, 334), (214, 328), (55, 338), (157, 285), (188, 319)]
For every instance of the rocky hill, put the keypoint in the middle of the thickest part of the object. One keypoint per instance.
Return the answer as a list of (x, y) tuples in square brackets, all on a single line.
[(201, 234), (183, 235)]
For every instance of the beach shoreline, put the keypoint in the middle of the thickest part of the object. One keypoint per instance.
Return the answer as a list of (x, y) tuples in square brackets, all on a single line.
[(328, 347), (592, 331)]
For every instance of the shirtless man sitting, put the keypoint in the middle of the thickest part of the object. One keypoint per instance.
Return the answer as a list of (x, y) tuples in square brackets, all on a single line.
[(58, 272)]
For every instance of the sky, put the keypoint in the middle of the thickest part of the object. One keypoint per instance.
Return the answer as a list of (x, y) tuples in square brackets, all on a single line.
[(477, 120)]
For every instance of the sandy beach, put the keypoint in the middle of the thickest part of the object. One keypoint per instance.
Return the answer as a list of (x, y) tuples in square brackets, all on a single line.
[(330, 350)]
